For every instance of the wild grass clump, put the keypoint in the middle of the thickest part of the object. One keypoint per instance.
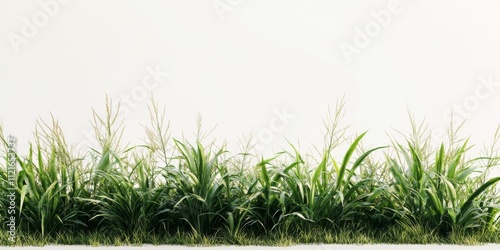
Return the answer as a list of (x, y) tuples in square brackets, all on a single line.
[(199, 193), (441, 188)]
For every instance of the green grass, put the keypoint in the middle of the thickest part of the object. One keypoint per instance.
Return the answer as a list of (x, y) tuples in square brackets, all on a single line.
[(172, 191), (347, 235)]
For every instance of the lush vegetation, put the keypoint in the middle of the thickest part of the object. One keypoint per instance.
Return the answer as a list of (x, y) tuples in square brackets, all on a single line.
[(177, 192)]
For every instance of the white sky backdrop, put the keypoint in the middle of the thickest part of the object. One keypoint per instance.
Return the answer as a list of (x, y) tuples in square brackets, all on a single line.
[(261, 55)]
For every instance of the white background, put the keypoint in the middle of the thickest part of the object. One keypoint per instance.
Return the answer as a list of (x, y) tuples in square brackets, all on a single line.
[(234, 66)]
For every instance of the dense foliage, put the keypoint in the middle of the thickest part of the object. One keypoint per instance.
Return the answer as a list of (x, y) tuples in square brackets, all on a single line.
[(168, 186)]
